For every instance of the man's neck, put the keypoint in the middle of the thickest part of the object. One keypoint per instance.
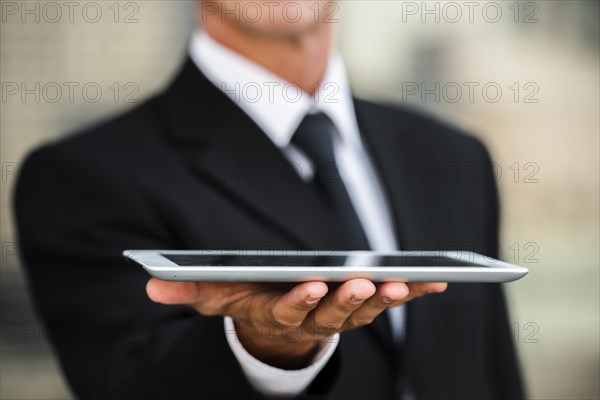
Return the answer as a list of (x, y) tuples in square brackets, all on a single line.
[(300, 58)]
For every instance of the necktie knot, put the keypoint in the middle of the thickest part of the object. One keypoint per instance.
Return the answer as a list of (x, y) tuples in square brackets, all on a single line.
[(314, 137)]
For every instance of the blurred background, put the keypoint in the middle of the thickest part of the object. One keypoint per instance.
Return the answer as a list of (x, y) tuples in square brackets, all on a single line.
[(521, 75)]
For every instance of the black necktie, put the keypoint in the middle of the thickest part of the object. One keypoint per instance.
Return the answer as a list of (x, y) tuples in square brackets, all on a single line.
[(314, 137)]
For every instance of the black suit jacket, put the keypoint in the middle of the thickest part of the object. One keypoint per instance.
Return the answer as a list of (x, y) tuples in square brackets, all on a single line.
[(189, 170)]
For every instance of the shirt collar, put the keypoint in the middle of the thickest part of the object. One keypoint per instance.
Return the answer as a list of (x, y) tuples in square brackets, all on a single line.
[(275, 105)]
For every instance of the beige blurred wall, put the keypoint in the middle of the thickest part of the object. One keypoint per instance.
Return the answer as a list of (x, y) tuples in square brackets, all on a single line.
[(549, 134)]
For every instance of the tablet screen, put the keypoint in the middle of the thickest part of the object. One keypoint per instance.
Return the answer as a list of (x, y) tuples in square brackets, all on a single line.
[(257, 260)]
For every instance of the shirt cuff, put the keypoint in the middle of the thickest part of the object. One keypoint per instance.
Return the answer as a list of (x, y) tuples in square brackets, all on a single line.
[(272, 381)]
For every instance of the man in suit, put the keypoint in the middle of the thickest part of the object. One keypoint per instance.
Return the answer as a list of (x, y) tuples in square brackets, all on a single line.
[(258, 144)]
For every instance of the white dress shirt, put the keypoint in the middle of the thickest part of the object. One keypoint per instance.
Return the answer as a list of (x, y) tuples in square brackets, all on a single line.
[(278, 107)]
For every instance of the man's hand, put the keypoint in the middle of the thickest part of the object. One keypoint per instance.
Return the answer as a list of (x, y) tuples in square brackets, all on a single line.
[(283, 324)]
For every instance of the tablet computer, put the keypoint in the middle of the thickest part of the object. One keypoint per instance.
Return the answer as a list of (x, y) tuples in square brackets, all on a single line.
[(331, 266)]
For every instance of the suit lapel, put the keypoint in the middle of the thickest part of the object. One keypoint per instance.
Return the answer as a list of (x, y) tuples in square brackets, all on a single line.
[(226, 149), (251, 169)]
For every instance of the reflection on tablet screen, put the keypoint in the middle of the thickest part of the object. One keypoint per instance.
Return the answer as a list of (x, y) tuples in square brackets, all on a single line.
[(234, 260)]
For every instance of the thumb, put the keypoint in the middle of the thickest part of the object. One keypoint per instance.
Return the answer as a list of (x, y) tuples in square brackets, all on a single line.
[(166, 292)]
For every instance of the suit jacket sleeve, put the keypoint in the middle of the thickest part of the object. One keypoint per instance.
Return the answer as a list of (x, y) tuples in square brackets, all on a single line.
[(74, 219)]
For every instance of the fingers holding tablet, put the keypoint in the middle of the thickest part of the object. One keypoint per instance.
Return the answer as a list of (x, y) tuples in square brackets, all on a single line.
[(292, 308)]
